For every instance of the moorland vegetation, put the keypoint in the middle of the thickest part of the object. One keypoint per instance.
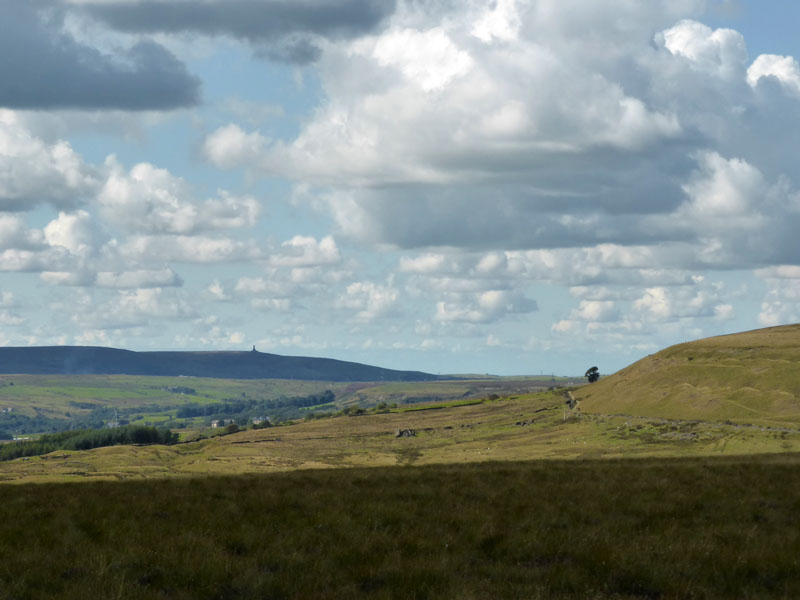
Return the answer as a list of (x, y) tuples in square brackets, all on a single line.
[(675, 478), (603, 529)]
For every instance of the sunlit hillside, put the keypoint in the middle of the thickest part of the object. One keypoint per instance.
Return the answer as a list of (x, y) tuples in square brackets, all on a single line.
[(750, 377)]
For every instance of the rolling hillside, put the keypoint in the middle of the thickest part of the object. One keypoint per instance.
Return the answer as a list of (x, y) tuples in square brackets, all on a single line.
[(523, 428), (750, 377), (736, 394), (705, 511), (69, 360)]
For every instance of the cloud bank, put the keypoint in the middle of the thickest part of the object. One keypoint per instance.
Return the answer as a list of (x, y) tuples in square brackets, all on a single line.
[(285, 30), (50, 70), (536, 125)]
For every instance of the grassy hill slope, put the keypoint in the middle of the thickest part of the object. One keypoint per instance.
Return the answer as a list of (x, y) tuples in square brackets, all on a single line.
[(736, 394), (750, 377)]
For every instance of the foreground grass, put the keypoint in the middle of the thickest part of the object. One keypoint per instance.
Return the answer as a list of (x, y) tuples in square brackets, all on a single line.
[(645, 528)]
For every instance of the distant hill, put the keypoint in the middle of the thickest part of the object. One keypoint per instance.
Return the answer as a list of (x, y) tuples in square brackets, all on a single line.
[(750, 377), (66, 360)]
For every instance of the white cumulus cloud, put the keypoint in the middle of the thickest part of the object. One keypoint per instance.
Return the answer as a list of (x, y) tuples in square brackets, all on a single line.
[(369, 300), (33, 171)]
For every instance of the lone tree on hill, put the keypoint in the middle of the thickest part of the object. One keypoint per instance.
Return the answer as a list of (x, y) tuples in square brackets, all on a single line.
[(592, 375)]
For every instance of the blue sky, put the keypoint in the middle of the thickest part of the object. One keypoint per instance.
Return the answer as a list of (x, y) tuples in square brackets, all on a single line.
[(509, 187)]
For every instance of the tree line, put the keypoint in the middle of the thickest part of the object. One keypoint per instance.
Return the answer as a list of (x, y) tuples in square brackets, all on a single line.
[(244, 409), (86, 439)]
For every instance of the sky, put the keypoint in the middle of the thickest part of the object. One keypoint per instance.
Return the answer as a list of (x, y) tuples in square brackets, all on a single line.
[(505, 187)]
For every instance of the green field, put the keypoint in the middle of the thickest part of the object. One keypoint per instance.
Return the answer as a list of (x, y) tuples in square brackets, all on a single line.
[(55, 392), (63, 401)]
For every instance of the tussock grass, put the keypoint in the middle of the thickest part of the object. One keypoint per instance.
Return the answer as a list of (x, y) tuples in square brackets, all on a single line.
[(688, 528)]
